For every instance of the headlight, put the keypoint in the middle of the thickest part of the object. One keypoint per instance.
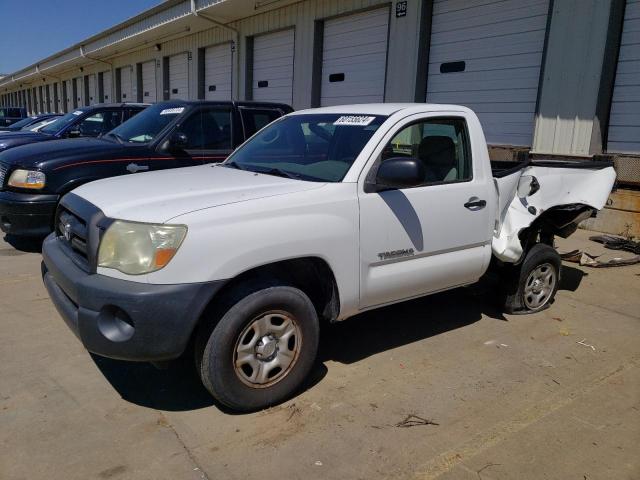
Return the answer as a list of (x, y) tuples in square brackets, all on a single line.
[(27, 179), (137, 248)]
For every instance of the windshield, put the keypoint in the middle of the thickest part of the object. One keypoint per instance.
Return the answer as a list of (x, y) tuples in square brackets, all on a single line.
[(37, 126), (317, 147), (146, 125), (61, 122), (22, 123)]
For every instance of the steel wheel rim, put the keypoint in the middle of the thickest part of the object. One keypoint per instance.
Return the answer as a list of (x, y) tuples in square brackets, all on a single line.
[(267, 349), (539, 286)]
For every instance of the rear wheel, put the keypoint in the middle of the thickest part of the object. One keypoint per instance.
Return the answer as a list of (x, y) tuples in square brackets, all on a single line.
[(533, 287), (261, 350)]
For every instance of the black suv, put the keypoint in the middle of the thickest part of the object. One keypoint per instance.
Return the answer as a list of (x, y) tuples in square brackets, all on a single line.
[(83, 122), (171, 134), (11, 115)]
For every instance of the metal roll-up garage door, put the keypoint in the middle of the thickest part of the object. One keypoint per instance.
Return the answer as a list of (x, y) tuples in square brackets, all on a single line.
[(624, 122), (107, 87), (217, 72), (179, 76), (488, 56), (79, 92), (149, 88), (354, 58), (68, 96), (126, 84), (93, 90), (273, 67)]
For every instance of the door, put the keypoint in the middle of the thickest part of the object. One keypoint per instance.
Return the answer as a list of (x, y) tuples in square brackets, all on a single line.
[(126, 84), (217, 72), (93, 91), (98, 123), (149, 88), (488, 56), (107, 87), (273, 67), (435, 235), (624, 122), (80, 92), (354, 58), (69, 94), (208, 135), (179, 77)]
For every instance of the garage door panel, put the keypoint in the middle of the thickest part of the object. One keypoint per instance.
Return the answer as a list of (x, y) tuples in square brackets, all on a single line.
[(273, 67), (149, 82), (126, 84), (354, 58), (179, 76), (624, 122), (501, 44), (107, 86), (496, 14), (218, 72), (488, 47)]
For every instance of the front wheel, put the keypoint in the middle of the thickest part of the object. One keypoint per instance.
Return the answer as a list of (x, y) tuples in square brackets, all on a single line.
[(261, 350), (536, 283)]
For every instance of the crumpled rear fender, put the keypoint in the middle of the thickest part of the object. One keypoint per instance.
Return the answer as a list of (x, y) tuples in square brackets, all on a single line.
[(566, 196)]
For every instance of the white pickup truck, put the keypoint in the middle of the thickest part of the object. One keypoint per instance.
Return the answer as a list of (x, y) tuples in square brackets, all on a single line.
[(321, 215)]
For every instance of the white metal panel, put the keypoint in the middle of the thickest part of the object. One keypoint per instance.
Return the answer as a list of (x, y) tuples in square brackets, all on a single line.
[(69, 93), (217, 72), (354, 58), (126, 84), (93, 90), (179, 76), (624, 122), (79, 92), (149, 82), (107, 87), (501, 44), (273, 67)]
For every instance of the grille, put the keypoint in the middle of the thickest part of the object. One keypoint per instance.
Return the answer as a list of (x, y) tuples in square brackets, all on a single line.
[(3, 173), (72, 231)]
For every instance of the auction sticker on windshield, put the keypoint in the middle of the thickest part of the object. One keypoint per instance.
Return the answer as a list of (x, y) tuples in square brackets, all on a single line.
[(356, 120), (172, 111)]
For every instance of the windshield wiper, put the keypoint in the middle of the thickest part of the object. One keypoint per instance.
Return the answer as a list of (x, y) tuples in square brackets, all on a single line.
[(116, 136), (233, 165), (280, 173)]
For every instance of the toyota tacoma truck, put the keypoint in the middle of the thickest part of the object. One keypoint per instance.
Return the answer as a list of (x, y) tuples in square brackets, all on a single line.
[(174, 134), (321, 215)]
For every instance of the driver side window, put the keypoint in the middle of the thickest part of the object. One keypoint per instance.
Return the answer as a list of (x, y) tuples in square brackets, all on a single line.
[(208, 129), (99, 123), (441, 144)]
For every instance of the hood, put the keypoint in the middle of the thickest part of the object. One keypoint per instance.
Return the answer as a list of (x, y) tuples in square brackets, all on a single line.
[(157, 197), (43, 155), (14, 139)]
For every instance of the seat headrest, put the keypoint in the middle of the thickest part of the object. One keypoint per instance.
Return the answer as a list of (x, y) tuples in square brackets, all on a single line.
[(437, 150)]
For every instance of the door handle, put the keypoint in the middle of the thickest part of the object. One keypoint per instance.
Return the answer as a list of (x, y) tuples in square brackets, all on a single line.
[(475, 203), (134, 168)]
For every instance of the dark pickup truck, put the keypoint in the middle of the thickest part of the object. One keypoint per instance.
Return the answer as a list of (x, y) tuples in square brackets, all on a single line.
[(171, 134), (82, 122)]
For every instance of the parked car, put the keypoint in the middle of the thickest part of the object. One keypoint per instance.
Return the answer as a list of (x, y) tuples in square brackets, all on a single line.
[(83, 122), (29, 122), (166, 135), (11, 115), (322, 215)]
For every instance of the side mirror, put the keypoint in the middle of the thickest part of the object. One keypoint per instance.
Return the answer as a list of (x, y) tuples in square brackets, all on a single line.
[(400, 172), (75, 133), (178, 141)]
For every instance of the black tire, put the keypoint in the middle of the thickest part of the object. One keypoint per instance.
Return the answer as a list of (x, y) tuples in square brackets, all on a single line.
[(216, 347), (517, 283)]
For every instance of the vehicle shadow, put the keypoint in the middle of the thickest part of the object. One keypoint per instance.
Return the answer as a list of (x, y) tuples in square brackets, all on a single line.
[(386, 328), (570, 278), (178, 387), (25, 244)]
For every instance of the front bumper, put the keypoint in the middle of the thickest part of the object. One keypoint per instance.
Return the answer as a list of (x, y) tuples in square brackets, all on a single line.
[(121, 319), (27, 214)]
